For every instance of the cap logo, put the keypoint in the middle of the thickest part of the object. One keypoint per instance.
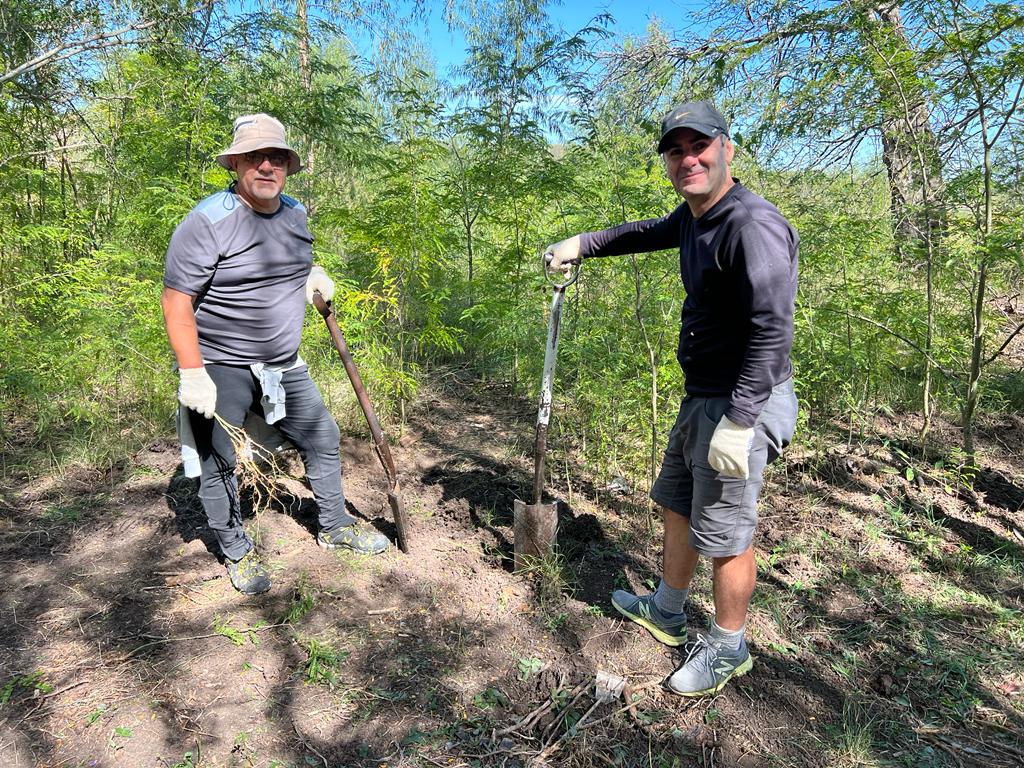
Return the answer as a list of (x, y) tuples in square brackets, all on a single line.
[(242, 124)]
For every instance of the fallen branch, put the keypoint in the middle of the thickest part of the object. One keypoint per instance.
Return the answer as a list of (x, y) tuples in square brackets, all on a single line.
[(165, 640), (307, 745), (531, 717), (49, 695)]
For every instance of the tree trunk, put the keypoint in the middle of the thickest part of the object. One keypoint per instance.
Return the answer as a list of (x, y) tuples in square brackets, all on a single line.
[(908, 141), (305, 73)]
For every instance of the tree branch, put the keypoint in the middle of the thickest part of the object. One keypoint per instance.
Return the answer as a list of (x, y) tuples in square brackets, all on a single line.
[(50, 151), (72, 47), (1004, 345), (897, 335), (99, 40)]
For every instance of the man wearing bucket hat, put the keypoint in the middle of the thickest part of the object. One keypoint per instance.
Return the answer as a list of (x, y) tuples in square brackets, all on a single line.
[(738, 263), (238, 272)]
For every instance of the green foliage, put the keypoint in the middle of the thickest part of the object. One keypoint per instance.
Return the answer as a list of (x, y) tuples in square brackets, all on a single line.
[(490, 698), (237, 636), (323, 662), (302, 602), (31, 682), (119, 737), (188, 760), (529, 666), (431, 200)]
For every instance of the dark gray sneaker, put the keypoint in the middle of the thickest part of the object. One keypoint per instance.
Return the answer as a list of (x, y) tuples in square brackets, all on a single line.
[(249, 576), (668, 628), (708, 667), (351, 537)]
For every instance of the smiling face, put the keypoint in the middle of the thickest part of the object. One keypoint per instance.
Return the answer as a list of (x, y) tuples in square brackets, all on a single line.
[(698, 167), (261, 177)]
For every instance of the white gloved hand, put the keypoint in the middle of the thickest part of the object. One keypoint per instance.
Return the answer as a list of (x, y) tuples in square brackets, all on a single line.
[(319, 281), (197, 391), (730, 449), (563, 254)]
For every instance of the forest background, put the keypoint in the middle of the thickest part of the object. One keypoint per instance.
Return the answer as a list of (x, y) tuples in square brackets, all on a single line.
[(887, 624), (888, 134)]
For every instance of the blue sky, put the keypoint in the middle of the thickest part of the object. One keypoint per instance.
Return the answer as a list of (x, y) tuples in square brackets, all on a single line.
[(631, 18)]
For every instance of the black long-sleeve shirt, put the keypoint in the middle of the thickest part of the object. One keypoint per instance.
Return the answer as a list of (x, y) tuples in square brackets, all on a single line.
[(738, 263)]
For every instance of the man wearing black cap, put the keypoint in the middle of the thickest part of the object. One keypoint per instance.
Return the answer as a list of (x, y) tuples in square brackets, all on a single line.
[(738, 263)]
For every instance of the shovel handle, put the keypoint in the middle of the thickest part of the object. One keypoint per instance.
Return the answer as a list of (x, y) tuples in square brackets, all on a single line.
[(380, 443), (571, 275)]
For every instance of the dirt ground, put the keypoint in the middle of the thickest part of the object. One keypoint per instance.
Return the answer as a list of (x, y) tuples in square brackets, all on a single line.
[(887, 628)]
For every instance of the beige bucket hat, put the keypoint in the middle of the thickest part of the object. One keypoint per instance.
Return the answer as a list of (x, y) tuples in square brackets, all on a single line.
[(259, 131)]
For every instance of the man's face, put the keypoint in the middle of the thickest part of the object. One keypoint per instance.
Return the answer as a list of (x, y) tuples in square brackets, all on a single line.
[(698, 167), (261, 177)]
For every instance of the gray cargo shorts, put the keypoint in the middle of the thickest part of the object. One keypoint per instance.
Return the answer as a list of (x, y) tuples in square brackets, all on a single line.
[(722, 510)]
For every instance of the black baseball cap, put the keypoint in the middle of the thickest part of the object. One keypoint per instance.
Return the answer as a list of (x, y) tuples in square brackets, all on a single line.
[(701, 116)]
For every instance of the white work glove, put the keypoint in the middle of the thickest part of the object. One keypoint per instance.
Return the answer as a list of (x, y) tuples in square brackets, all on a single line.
[(730, 449), (563, 254), (197, 391), (319, 281)]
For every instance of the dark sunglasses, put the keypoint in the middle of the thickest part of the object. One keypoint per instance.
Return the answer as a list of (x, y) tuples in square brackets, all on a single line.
[(277, 159)]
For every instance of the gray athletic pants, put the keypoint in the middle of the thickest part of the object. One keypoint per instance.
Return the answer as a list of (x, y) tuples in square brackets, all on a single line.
[(308, 425)]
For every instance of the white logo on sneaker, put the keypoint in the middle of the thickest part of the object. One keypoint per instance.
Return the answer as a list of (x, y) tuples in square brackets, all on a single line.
[(724, 667)]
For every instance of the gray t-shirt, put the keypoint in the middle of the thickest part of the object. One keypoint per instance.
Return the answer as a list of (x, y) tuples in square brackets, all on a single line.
[(247, 271)]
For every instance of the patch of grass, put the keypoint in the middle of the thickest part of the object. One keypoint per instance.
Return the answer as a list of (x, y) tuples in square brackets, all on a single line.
[(780, 606), (236, 636), (852, 740), (303, 601), (550, 576), (31, 682), (486, 515), (63, 514), (323, 662), (846, 666), (374, 697)]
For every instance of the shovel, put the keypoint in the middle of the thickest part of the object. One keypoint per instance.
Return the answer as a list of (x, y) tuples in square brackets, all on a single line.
[(535, 525), (380, 443)]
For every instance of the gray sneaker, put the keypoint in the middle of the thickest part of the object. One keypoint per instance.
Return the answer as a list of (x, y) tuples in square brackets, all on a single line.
[(351, 537), (249, 576), (708, 667), (668, 628)]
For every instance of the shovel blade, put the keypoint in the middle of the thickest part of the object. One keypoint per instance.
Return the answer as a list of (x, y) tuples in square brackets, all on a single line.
[(400, 517), (535, 527)]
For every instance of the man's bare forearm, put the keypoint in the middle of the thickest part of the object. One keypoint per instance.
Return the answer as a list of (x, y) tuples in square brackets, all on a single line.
[(180, 322)]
